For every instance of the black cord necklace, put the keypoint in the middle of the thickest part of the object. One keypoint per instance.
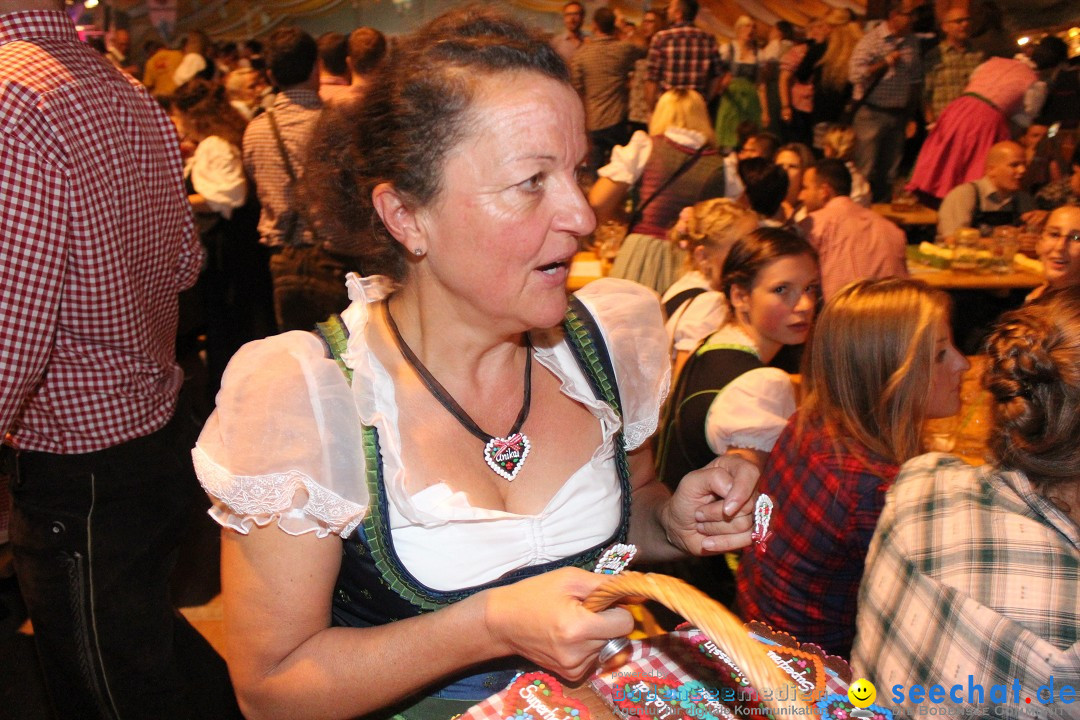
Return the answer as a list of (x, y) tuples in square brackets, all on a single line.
[(504, 455)]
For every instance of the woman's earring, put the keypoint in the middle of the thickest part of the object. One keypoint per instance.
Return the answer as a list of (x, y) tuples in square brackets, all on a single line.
[(419, 252)]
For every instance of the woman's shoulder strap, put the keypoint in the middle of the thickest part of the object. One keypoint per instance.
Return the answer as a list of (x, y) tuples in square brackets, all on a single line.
[(586, 339), (676, 301), (335, 336)]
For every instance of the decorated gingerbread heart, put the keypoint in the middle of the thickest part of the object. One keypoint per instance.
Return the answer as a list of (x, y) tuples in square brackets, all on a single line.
[(833, 665), (713, 657), (703, 702), (638, 695), (839, 707), (506, 455), (731, 681), (539, 696)]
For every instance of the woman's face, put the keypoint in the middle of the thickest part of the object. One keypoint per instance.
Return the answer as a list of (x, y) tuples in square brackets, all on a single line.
[(779, 309), (502, 231), (184, 126), (792, 165), (818, 31), (745, 33), (946, 374), (1059, 247), (1034, 135)]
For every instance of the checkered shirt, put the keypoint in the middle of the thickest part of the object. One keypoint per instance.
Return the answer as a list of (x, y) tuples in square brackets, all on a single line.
[(827, 504), (947, 73), (971, 573), (684, 57), (296, 111), (1056, 194), (599, 72), (96, 240), (894, 90)]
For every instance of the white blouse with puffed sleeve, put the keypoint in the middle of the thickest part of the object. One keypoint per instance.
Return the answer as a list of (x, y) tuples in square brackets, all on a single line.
[(753, 409), (284, 444)]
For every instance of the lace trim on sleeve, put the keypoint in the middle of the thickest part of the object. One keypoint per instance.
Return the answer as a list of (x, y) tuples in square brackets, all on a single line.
[(635, 434), (294, 500)]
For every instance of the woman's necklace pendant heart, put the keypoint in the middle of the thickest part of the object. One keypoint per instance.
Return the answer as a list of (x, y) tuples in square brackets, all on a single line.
[(506, 456)]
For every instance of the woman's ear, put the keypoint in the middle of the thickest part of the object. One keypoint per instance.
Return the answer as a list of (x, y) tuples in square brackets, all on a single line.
[(740, 299), (398, 217)]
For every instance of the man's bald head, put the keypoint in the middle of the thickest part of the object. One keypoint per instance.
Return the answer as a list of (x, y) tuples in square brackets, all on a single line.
[(1005, 166), (1002, 152)]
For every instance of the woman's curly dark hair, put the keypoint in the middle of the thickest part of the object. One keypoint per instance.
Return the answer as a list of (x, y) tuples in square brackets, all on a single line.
[(207, 111), (414, 112), (1033, 377)]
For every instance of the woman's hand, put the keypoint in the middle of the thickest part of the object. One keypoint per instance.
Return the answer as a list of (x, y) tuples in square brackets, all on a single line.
[(542, 619), (712, 511)]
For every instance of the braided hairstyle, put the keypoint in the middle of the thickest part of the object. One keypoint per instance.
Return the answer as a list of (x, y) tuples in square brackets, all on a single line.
[(1033, 377), (713, 225)]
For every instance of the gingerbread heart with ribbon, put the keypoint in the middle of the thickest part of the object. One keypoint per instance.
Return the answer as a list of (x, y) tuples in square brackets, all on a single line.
[(506, 456)]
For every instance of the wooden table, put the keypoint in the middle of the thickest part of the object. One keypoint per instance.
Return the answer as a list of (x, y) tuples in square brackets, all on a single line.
[(1016, 279), (917, 214), (585, 268)]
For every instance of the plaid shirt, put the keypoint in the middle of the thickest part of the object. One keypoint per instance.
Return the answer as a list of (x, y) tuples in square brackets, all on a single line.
[(827, 504), (96, 240), (894, 90), (1056, 194), (684, 57), (947, 73), (599, 72), (971, 573), (296, 111)]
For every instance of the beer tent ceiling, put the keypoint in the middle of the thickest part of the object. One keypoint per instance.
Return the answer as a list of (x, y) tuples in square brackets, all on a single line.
[(250, 18)]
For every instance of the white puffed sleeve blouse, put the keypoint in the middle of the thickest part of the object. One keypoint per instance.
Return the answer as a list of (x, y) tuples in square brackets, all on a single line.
[(284, 444)]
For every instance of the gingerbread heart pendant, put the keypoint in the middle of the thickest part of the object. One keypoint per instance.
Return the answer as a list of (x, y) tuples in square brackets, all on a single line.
[(506, 456)]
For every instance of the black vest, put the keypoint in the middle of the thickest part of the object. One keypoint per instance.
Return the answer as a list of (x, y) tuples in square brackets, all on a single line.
[(683, 446), (373, 586)]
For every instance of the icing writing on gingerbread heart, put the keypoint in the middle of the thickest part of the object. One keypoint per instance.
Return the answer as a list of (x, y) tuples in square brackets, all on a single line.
[(805, 669), (540, 696)]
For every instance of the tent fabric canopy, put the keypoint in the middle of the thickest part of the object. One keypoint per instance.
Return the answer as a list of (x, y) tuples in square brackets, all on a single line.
[(236, 19)]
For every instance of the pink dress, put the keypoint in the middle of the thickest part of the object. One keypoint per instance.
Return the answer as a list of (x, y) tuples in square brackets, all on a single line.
[(955, 151)]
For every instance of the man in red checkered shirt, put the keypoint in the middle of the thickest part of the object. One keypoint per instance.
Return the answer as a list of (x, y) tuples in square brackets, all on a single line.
[(682, 56), (96, 241)]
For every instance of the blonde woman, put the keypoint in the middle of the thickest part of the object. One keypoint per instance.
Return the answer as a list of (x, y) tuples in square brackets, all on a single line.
[(694, 304), (744, 94), (676, 164), (839, 143), (881, 362), (794, 159), (831, 87), (973, 576)]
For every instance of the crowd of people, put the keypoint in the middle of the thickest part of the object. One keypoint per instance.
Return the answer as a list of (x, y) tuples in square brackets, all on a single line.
[(419, 444)]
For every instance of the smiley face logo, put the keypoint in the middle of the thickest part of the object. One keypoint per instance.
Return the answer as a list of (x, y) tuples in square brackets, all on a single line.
[(862, 693)]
